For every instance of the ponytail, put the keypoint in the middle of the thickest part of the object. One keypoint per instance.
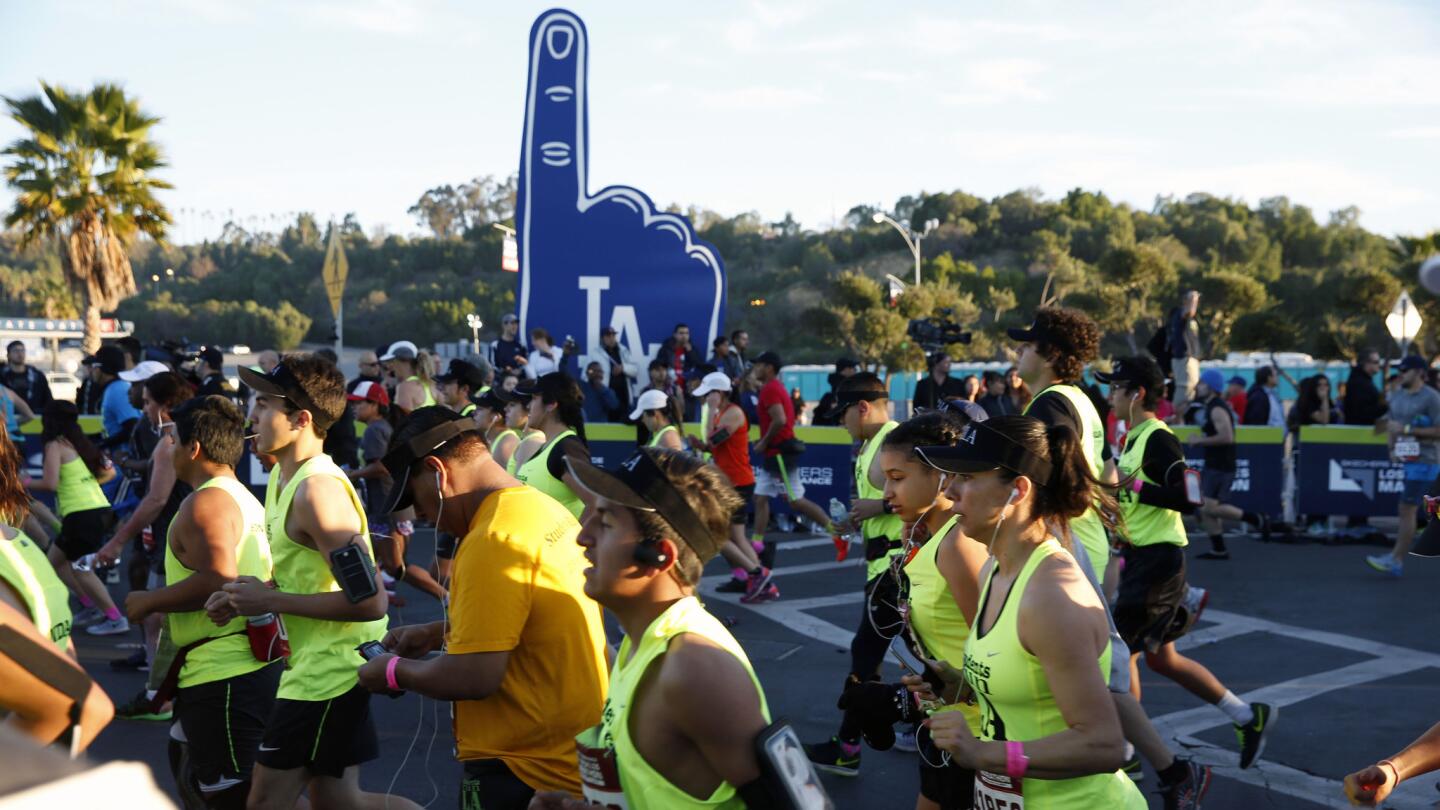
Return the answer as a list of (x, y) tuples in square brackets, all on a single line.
[(1072, 489), (61, 420), (558, 389), (425, 367)]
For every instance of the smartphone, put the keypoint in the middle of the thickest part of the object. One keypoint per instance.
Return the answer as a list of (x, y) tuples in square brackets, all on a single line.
[(906, 657), (354, 571), (371, 650)]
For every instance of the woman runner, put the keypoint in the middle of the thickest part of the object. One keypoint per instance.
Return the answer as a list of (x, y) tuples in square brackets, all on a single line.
[(556, 410)]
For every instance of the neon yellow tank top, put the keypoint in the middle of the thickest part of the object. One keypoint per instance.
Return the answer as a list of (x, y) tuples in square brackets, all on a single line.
[(429, 395), (78, 490), (1146, 525), (1016, 702), (887, 526), (655, 440), (1088, 528), (936, 615), (229, 656), (510, 463), (24, 567), (323, 659), (644, 787), (536, 473)]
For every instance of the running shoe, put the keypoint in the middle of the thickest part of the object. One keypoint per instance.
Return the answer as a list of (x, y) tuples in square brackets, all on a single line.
[(733, 586), (1264, 527), (830, 757), (757, 582), (139, 709), (109, 627), (768, 594), (1195, 601), (89, 615), (1187, 793), (1133, 769), (1386, 564), (1252, 735), (905, 741), (1213, 555), (135, 662)]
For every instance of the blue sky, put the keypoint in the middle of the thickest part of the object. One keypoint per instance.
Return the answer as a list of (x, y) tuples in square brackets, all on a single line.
[(273, 107)]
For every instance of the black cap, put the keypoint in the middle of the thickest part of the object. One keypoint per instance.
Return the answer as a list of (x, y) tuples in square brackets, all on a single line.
[(983, 448), (491, 400), (769, 358), (1134, 370), (110, 359), (844, 399), (844, 363), (524, 391), (639, 483), (1033, 333), (281, 383), (466, 374), (213, 357), (427, 430), (609, 330)]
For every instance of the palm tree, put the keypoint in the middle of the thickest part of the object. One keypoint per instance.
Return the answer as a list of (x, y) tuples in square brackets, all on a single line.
[(82, 177)]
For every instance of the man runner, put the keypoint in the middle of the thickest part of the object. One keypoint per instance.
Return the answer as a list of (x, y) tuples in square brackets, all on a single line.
[(862, 407), (685, 710), (1217, 436), (224, 694), (779, 476), (320, 730), (459, 386), (1413, 425)]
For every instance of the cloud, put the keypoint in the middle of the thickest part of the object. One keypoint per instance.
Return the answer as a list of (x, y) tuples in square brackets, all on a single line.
[(762, 97), (1415, 133), (1030, 146), (995, 80), (403, 17)]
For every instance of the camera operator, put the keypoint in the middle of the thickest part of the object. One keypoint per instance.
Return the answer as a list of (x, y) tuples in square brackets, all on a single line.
[(939, 385)]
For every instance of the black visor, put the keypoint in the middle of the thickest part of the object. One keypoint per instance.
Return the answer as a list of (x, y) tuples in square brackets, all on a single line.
[(281, 383), (982, 448), (844, 399), (402, 456), (639, 483)]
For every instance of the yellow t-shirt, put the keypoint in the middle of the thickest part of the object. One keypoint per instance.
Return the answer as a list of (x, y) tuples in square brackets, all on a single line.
[(518, 586)]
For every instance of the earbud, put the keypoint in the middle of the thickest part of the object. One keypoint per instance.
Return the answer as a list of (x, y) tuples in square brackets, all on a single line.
[(437, 481), (649, 553), (1014, 493)]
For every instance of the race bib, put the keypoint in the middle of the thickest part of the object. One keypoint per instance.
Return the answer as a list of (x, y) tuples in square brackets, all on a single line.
[(1407, 448), (599, 775), (997, 792)]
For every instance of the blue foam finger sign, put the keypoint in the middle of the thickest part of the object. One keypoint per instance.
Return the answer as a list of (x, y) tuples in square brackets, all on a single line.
[(588, 261)]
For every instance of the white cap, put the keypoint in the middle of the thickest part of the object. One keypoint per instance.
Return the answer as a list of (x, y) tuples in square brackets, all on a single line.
[(651, 400), (399, 349), (144, 370), (714, 381)]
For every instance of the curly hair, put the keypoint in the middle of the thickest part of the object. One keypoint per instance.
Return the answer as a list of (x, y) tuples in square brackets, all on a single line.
[(1070, 340), (707, 491)]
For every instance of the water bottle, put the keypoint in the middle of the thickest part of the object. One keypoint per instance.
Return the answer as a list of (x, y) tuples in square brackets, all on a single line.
[(85, 563), (268, 639), (839, 516)]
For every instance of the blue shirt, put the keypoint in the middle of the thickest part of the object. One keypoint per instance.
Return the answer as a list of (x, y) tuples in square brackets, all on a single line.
[(115, 407)]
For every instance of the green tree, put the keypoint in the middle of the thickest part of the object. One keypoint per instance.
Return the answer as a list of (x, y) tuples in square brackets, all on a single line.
[(82, 173), (1225, 295)]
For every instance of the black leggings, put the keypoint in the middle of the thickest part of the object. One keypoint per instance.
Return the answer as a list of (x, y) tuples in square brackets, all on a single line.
[(490, 785), (867, 651)]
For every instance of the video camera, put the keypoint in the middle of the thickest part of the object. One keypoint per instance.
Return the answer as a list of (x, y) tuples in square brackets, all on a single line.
[(934, 334)]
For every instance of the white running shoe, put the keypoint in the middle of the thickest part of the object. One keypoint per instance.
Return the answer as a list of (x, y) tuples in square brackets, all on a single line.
[(109, 627)]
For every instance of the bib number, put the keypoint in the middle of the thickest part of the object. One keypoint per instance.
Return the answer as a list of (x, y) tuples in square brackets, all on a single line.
[(599, 775), (1407, 449), (997, 792)]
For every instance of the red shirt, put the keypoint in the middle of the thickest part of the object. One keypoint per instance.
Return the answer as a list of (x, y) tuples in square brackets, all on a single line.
[(773, 393), (1237, 403), (732, 456)]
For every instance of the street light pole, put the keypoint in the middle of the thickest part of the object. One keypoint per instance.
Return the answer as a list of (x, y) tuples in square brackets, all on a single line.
[(912, 239), (475, 323)]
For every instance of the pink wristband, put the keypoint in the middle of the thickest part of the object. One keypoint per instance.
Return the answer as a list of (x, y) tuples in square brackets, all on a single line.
[(1136, 486), (390, 674), (1016, 763)]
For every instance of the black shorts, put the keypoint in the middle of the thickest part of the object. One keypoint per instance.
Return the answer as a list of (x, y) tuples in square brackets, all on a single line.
[(747, 494), (82, 532), (952, 787), (1150, 605), (1216, 483), (224, 721), (323, 736), (489, 784), (445, 544)]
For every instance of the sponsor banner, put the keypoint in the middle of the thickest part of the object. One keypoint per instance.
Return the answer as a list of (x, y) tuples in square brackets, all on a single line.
[(1346, 470), (1259, 467)]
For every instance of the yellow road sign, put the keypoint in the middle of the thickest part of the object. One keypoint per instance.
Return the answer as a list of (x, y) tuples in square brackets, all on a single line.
[(335, 272)]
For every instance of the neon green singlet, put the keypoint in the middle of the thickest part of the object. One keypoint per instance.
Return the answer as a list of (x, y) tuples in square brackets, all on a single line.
[(510, 465), (1146, 525), (429, 395), (886, 526), (77, 489), (468, 409), (936, 615), (644, 787), (323, 659), (24, 567), (655, 440), (536, 472), (229, 656), (1017, 703), (1088, 528)]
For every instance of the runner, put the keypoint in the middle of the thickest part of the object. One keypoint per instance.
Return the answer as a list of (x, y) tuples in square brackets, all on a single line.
[(411, 370), (661, 416), (779, 475), (524, 441), (74, 469), (320, 730), (1370, 786), (1218, 439), (459, 386), (728, 442), (28, 583), (556, 409), (1037, 662), (862, 407), (1412, 424), (1150, 608), (224, 693), (686, 716), (522, 649)]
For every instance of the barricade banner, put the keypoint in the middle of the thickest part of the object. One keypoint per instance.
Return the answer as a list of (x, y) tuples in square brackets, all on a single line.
[(1259, 467), (1346, 470)]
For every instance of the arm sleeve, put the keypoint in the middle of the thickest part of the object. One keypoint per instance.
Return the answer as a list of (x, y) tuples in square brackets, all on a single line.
[(1165, 462), (570, 445)]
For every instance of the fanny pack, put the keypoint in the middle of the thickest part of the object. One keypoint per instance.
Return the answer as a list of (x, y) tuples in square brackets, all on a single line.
[(791, 447), (879, 547), (268, 643)]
